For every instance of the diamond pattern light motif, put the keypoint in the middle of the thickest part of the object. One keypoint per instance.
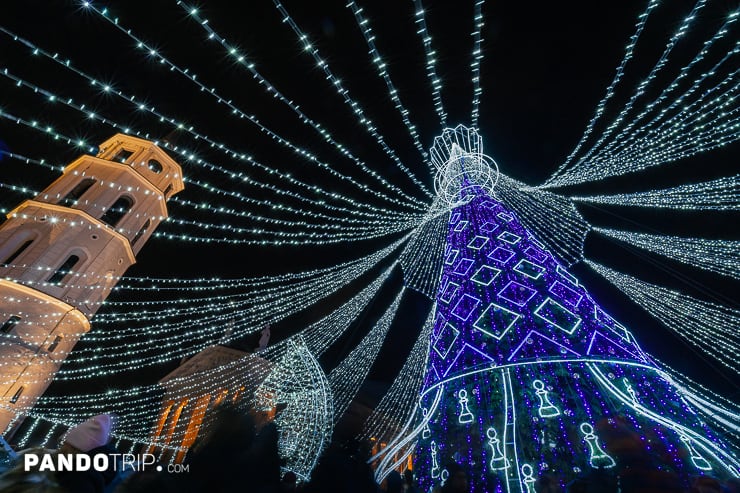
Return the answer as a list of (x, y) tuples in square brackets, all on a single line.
[(465, 307), (446, 339), (478, 242), (501, 255), (516, 293), (485, 275), (496, 321), (556, 314), (528, 269)]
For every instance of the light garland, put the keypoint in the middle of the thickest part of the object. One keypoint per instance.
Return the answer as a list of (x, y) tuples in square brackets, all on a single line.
[(721, 194), (478, 22), (151, 51), (610, 91), (720, 256), (344, 93), (431, 61), (397, 405), (708, 326), (346, 379), (364, 24)]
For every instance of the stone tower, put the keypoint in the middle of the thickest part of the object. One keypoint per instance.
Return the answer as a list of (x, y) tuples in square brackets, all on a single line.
[(62, 252)]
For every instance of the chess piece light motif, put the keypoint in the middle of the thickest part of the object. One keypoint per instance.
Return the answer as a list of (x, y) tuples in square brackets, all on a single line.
[(498, 460), (465, 415), (696, 458), (528, 479), (597, 457), (546, 409), (435, 464), (426, 432)]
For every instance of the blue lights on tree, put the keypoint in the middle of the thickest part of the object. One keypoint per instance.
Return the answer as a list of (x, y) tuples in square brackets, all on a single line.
[(527, 375)]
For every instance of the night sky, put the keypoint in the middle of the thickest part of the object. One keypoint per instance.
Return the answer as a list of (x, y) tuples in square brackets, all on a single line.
[(546, 66)]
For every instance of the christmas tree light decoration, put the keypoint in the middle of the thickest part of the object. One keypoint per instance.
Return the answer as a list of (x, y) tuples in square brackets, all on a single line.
[(498, 338)]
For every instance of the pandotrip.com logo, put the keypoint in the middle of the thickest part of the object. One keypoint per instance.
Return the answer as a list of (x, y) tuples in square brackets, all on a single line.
[(99, 462)]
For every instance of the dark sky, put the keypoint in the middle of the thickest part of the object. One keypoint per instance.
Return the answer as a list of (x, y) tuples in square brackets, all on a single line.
[(546, 66)]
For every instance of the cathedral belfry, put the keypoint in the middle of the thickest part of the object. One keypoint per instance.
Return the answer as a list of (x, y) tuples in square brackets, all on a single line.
[(61, 254)]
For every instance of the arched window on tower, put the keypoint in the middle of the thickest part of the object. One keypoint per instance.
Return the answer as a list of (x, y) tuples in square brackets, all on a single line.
[(63, 270), (122, 155), (155, 166), (141, 232), (16, 253), (74, 195), (9, 324), (116, 212)]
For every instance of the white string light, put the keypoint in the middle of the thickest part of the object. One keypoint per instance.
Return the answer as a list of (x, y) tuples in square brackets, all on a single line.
[(720, 256), (709, 326), (720, 194)]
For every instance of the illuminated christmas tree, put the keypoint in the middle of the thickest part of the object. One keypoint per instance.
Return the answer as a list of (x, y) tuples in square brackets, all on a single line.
[(527, 375)]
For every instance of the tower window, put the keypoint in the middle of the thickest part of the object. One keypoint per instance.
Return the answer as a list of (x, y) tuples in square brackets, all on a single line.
[(122, 155), (54, 344), (141, 232), (10, 324), (155, 166), (17, 253), (74, 195), (63, 270), (116, 212), (17, 395)]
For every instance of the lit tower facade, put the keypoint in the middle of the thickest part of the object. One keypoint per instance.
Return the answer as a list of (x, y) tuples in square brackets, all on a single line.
[(528, 377), (62, 253)]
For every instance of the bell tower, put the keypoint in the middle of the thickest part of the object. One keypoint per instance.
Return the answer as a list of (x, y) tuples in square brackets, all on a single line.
[(61, 254)]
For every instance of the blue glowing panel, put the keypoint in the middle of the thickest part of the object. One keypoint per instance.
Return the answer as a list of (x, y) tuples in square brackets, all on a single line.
[(488, 227), (445, 341), (556, 314), (528, 269), (569, 296), (461, 226), (465, 307), (535, 254), (477, 242), (509, 238), (501, 255), (505, 217), (496, 321), (463, 266), (566, 275), (449, 292), (485, 275), (516, 293)]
